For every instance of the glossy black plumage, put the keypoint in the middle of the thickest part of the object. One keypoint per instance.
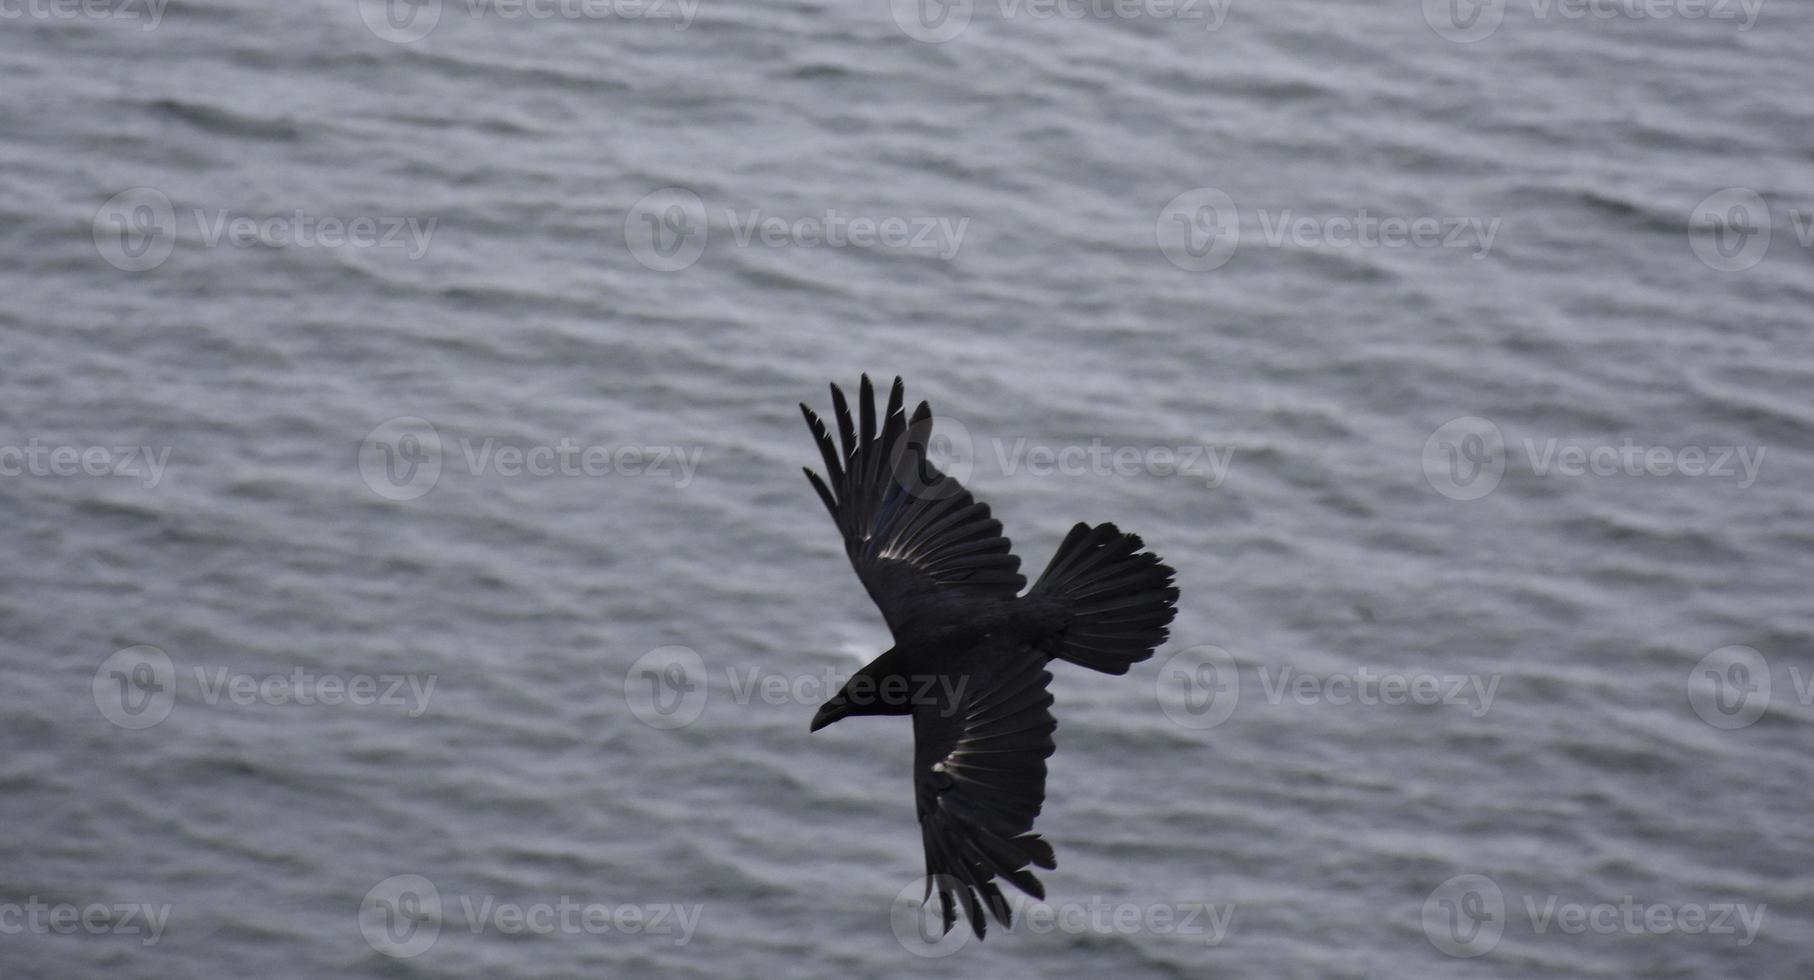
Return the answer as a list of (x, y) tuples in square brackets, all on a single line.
[(971, 652)]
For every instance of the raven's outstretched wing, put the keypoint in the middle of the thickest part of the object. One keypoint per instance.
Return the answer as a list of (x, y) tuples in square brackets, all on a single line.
[(916, 537), (979, 779)]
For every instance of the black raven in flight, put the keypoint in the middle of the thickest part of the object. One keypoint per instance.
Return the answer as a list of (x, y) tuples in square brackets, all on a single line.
[(970, 651)]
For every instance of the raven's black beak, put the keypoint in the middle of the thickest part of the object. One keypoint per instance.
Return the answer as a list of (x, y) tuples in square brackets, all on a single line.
[(829, 712)]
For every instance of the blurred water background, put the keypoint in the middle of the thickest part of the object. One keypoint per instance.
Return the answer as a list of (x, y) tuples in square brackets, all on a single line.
[(521, 230)]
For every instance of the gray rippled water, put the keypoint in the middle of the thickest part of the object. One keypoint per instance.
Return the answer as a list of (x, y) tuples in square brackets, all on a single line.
[(436, 365)]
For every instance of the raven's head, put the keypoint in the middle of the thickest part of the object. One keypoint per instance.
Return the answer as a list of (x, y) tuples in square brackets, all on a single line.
[(880, 688)]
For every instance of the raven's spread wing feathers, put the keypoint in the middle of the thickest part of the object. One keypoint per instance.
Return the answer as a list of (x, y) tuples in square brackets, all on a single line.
[(979, 780), (916, 537)]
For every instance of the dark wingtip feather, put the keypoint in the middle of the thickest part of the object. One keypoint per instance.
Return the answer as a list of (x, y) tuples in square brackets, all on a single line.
[(847, 429), (1039, 851), (866, 407), (823, 491)]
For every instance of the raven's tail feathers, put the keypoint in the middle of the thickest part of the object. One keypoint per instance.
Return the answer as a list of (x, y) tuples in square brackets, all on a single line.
[(1118, 596)]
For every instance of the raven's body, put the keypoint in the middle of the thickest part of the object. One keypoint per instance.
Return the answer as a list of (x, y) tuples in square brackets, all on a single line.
[(966, 637), (970, 652)]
